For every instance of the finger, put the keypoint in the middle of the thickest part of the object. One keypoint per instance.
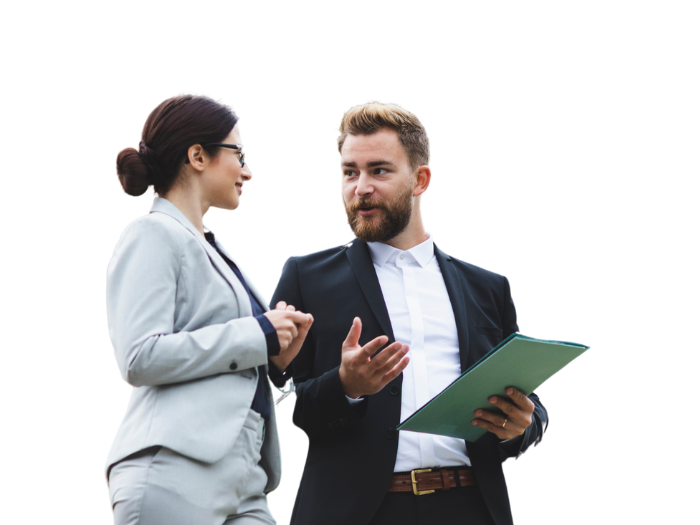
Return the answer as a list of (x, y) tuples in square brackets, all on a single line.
[(293, 330), (298, 318), (307, 325), (394, 372), (354, 334), (490, 427), (391, 361), (491, 417), (291, 307), (281, 305), (285, 339), (520, 399), (375, 344), (511, 411), (508, 407)]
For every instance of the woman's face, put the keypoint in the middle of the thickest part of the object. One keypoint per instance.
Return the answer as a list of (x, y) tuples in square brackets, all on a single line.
[(225, 177)]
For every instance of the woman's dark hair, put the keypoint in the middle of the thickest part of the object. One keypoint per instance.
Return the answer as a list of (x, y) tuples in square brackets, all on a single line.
[(171, 128)]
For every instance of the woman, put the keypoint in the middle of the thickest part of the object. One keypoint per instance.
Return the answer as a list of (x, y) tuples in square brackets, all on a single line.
[(198, 444)]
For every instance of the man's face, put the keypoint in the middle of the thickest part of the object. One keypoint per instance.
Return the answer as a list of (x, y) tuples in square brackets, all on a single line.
[(378, 185)]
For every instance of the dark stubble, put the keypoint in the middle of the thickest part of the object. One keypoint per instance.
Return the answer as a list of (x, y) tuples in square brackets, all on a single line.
[(394, 219)]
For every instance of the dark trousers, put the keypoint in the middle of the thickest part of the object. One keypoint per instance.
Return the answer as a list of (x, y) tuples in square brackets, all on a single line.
[(456, 506)]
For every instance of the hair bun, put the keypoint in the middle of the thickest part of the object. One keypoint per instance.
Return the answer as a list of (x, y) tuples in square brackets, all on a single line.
[(149, 158), (133, 172)]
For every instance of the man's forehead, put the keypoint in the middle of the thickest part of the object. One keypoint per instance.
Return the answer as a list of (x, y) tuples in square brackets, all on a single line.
[(384, 145), (371, 164)]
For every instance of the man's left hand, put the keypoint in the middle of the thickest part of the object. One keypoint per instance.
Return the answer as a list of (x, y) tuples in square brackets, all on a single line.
[(515, 416)]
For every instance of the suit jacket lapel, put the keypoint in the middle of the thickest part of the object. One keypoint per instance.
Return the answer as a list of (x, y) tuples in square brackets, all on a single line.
[(253, 290), (363, 268), (456, 294), (168, 208)]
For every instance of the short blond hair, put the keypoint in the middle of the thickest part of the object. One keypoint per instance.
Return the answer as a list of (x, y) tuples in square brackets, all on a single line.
[(373, 116)]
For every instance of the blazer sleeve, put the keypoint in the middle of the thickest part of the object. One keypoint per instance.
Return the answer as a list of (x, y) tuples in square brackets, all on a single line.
[(534, 433), (142, 280), (321, 404)]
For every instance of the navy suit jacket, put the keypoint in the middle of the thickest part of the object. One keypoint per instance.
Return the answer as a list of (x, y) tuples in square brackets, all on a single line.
[(352, 449)]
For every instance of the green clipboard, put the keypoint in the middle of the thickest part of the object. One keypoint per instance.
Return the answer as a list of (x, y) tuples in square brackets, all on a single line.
[(519, 361)]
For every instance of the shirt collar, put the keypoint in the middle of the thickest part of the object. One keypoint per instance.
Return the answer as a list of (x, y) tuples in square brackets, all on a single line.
[(422, 253), (162, 205)]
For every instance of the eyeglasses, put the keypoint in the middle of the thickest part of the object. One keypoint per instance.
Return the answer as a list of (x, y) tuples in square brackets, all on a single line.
[(239, 147)]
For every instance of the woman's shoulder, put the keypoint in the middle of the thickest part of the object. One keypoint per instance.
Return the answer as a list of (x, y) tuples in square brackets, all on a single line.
[(154, 231), (153, 223)]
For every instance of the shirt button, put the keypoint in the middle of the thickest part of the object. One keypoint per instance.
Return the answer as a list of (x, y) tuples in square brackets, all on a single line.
[(401, 256), (233, 366), (394, 390)]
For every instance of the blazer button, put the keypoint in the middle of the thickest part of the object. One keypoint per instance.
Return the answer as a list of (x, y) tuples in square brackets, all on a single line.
[(391, 432), (394, 390), (233, 366)]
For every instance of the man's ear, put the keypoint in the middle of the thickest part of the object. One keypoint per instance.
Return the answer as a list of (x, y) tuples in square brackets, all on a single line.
[(196, 157), (422, 180)]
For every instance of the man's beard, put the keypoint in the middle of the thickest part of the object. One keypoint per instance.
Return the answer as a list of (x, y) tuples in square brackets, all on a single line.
[(394, 219)]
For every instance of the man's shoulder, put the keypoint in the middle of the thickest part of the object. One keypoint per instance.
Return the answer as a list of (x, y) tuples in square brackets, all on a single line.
[(475, 273), (322, 258), (315, 271)]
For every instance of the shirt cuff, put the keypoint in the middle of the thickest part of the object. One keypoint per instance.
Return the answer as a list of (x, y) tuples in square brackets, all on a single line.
[(353, 401), (279, 379), (273, 343)]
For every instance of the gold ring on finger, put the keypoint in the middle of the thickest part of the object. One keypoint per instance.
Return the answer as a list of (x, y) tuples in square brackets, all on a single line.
[(504, 423)]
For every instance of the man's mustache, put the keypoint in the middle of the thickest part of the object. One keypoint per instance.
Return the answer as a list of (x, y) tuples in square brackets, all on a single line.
[(367, 203)]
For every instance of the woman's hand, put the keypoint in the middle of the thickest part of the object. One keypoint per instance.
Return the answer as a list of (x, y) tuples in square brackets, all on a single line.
[(292, 327)]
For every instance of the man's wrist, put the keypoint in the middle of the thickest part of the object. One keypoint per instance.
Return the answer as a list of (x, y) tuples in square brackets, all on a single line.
[(343, 382)]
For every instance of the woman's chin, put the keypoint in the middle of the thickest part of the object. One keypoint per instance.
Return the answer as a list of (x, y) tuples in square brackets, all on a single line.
[(227, 204)]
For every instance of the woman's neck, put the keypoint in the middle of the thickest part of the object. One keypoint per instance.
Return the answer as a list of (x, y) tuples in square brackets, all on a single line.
[(189, 202)]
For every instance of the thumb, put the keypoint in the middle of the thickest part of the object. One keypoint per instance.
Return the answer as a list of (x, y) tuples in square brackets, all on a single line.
[(354, 334)]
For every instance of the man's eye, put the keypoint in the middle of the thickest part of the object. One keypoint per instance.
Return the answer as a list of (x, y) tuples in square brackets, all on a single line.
[(348, 173), (381, 171)]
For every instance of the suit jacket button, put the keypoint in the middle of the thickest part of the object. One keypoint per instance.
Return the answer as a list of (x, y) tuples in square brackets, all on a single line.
[(233, 366), (391, 432), (394, 390)]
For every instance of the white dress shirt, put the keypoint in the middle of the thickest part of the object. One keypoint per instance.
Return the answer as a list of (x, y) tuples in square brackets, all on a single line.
[(421, 316)]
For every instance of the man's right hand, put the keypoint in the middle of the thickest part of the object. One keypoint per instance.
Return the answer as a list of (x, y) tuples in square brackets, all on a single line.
[(362, 375)]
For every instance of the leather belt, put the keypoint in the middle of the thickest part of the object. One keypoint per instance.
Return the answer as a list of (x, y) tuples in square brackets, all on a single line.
[(427, 481)]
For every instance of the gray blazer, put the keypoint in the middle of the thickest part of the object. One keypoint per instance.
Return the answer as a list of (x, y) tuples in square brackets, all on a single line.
[(184, 336)]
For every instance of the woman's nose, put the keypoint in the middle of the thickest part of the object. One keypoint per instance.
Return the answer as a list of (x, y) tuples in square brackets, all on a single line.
[(246, 173)]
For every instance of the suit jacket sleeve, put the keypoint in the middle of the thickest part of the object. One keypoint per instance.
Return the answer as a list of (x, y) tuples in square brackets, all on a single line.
[(533, 434), (321, 404), (142, 280)]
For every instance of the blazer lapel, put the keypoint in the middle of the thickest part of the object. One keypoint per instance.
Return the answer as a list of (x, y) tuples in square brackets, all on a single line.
[(456, 294), (166, 207), (253, 290), (363, 268)]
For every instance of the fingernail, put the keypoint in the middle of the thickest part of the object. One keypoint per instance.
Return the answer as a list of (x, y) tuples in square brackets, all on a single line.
[(510, 391), (474, 423), (479, 413), (492, 400)]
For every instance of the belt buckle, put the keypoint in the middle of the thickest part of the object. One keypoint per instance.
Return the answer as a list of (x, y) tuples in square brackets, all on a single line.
[(414, 482)]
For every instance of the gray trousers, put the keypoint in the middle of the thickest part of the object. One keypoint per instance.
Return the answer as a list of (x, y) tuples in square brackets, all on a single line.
[(157, 486)]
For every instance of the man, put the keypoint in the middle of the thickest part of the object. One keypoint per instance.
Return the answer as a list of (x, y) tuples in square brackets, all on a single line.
[(432, 316)]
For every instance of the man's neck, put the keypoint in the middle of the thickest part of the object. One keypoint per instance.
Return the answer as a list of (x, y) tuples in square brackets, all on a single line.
[(408, 239)]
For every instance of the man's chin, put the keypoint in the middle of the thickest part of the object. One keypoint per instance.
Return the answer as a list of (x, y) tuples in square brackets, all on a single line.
[(369, 234)]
